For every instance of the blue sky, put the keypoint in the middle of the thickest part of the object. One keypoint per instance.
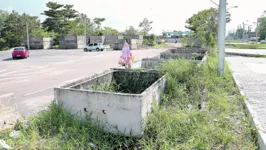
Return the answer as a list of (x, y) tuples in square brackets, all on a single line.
[(166, 14)]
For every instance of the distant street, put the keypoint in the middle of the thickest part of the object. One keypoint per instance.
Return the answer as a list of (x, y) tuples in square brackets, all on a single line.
[(32, 80)]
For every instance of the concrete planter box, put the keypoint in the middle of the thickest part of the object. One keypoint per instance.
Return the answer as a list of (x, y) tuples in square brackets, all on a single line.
[(194, 54), (122, 112)]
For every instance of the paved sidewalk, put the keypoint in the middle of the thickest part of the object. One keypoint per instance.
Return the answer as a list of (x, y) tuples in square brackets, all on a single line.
[(246, 52), (250, 74)]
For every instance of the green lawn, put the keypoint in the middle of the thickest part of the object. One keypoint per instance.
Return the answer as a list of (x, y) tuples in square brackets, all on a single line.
[(247, 46), (233, 41), (200, 111)]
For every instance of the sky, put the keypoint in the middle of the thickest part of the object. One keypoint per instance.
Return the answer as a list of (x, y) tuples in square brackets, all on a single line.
[(166, 15)]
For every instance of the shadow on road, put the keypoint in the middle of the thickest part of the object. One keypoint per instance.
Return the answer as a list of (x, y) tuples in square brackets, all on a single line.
[(8, 59)]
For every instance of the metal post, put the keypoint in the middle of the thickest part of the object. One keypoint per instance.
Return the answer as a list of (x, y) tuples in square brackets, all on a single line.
[(28, 39), (221, 34)]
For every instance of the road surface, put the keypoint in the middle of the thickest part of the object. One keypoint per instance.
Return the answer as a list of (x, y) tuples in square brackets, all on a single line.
[(32, 80)]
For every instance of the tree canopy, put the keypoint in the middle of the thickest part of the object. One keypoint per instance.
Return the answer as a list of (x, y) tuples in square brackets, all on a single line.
[(262, 29), (145, 26), (204, 26)]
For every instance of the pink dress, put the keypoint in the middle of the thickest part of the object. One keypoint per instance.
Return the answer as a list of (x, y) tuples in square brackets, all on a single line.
[(126, 57)]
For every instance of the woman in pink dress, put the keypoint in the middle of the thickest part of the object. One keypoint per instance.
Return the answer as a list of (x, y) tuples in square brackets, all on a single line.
[(126, 58)]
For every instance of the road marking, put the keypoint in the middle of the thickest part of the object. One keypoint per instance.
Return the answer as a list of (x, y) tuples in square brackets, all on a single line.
[(3, 70), (21, 81), (8, 73), (12, 78), (31, 93)]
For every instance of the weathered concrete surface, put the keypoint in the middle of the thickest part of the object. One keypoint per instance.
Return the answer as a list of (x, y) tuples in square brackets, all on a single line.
[(246, 52), (250, 76), (32, 80), (8, 111), (121, 113)]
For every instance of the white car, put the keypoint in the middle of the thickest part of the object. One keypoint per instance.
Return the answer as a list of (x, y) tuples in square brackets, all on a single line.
[(94, 47), (262, 42)]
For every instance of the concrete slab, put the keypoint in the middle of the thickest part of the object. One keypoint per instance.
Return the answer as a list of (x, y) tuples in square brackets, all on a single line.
[(119, 111)]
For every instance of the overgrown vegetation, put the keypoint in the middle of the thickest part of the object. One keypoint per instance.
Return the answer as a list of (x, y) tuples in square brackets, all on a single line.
[(134, 82), (247, 46), (200, 111)]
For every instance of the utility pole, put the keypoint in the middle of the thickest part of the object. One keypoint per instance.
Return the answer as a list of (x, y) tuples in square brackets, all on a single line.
[(243, 36), (85, 31), (28, 39), (221, 36)]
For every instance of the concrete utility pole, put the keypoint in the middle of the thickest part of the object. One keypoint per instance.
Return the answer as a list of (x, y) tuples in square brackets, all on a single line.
[(221, 36), (85, 31), (243, 36), (28, 39)]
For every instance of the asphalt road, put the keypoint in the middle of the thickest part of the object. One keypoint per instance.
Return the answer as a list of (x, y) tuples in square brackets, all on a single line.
[(32, 80)]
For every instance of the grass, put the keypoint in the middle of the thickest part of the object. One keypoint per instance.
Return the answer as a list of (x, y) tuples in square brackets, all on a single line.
[(233, 41), (200, 111), (161, 45), (133, 82), (247, 46)]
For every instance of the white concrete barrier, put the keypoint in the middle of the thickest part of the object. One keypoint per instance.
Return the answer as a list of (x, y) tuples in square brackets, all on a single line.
[(8, 111), (121, 113)]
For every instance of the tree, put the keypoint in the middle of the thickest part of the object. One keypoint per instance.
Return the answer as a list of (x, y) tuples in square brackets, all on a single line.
[(60, 18), (54, 17), (98, 22), (14, 29), (204, 27), (131, 31), (262, 29), (145, 26), (3, 17), (78, 27), (110, 31)]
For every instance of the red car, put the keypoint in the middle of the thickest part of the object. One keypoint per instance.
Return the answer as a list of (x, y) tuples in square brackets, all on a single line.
[(20, 52)]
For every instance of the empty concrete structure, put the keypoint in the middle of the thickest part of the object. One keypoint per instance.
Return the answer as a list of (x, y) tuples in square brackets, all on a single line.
[(111, 40), (197, 55), (72, 42), (40, 43), (48, 43), (121, 112), (97, 39)]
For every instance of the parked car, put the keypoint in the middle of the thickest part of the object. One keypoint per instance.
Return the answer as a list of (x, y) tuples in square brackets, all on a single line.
[(262, 42), (20, 52), (94, 47)]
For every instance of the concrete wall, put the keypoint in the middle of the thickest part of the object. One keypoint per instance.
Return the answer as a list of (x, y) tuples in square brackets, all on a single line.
[(40, 43), (126, 112), (149, 63), (8, 111), (71, 42), (111, 40), (134, 37), (35, 43), (97, 39), (81, 43), (48, 43)]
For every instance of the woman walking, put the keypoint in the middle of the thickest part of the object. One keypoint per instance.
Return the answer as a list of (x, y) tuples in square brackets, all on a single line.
[(126, 58)]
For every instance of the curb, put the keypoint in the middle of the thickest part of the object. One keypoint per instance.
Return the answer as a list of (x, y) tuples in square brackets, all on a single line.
[(245, 54), (261, 133)]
